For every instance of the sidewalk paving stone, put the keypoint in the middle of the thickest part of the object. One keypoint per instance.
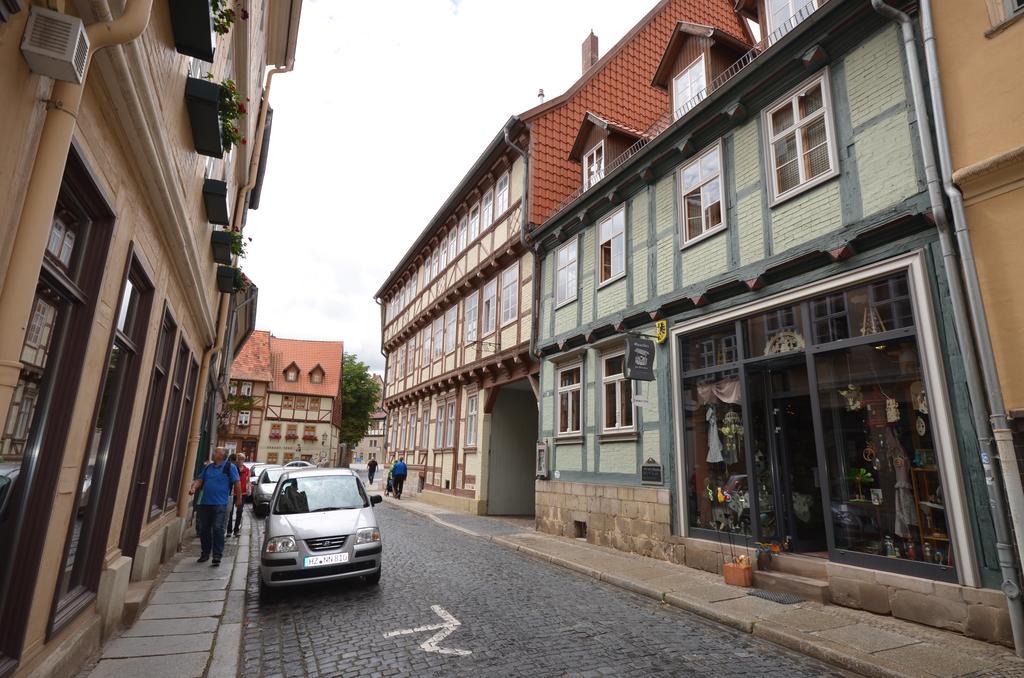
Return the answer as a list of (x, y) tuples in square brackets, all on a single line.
[(170, 627), (867, 638), (158, 645), (172, 597), (182, 666), (181, 610), (196, 585)]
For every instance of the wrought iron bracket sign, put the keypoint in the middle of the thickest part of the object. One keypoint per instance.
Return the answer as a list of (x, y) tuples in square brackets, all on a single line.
[(639, 358), (652, 473)]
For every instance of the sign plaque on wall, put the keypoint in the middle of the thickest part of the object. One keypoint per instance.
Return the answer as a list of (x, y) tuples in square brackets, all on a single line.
[(639, 359), (542, 460), (652, 473)]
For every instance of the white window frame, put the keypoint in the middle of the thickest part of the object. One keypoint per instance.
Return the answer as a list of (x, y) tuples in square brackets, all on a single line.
[(471, 408), (487, 210), (490, 307), (601, 240), (449, 428), (684, 239), (470, 322), (451, 325), (688, 74), (438, 332), (243, 417), (435, 259), (794, 6), (792, 99), (593, 165), (620, 381), (510, 295), (463, 233), (246, 388), (502, 195), (559, 390), (410, 441), (452, 247), (439, 431), (570, 268), (425, 428), (474, 222), (425, 346)]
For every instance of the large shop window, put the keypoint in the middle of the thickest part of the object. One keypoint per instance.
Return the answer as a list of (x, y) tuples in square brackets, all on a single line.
[(809, 426)]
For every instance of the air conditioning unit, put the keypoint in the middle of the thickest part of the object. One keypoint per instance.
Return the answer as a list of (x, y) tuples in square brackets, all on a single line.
[(55, 45)]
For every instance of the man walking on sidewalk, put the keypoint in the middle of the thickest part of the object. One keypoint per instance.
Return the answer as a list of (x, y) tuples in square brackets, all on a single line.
[(216, 481), (399, 471), (371, 470), (243, 488)]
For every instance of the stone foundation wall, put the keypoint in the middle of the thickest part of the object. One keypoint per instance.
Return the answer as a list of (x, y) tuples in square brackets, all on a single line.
[(638, 520)]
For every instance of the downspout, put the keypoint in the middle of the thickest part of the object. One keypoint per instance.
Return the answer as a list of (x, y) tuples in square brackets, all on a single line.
[(42, 191), (524, 204), (976, 389), (195, 426), (1006, 459)]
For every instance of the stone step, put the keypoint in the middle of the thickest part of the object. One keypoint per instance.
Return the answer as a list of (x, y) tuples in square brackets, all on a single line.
[(803, 566), (135, 600), (783, 582)]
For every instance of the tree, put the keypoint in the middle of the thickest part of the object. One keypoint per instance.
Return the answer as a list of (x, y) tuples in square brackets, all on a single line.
[(360, 396)]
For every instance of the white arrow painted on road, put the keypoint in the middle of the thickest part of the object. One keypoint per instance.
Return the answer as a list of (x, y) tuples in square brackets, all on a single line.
[(444, 629)]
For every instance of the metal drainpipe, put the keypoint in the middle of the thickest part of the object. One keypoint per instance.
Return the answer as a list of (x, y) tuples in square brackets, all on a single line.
[(1007, 459), (19, 283), (525, 242), (997, 504)]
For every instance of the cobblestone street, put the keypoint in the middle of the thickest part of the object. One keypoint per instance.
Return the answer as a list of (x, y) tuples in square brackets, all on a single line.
[(518, 616)]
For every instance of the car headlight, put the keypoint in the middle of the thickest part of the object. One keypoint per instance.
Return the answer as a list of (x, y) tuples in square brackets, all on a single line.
[(281, 544), (367, 535)]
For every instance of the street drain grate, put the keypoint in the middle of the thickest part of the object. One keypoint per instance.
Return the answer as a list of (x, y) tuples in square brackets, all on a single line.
[(776, 597)]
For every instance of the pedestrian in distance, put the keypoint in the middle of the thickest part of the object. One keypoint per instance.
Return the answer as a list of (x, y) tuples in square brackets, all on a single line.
[(400, 471), (390, 487), (371, 470), (216, 481), (243, 488)]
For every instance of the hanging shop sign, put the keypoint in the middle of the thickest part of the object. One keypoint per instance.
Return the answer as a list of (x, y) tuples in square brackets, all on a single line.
[(639, 359), (542, 460), (652, 473)]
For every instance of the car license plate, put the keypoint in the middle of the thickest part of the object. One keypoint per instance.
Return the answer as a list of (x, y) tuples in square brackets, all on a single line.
[(332, 559)]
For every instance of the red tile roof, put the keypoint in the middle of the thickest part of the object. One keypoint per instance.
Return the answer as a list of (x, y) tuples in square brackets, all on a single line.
[(306, 354), (618, 87), (253, 361)]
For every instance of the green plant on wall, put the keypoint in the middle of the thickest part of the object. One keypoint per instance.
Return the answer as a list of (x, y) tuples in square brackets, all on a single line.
[(241, 402), (240, 280), (239, 244), (224, 15), (232, 108)]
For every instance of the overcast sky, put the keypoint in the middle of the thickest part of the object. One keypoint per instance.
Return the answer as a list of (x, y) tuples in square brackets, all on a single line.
[(389, 105)]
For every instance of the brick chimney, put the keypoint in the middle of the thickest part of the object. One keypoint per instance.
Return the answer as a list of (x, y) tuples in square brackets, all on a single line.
[(589, 51)]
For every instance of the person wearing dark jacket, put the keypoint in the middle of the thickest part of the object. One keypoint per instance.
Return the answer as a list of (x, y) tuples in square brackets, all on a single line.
[(371, 470), (399, 472)]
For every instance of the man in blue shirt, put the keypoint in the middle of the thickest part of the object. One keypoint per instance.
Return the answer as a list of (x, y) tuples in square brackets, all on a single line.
[(217, 479), (398, 473)]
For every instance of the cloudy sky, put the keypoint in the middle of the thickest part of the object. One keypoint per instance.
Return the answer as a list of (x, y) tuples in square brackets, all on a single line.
[(389, 105)]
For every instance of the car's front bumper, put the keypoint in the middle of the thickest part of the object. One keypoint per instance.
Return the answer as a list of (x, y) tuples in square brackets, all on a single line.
[(286, 569)]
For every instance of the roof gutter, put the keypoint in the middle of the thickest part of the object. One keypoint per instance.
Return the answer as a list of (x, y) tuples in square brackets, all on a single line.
[(967, 309)]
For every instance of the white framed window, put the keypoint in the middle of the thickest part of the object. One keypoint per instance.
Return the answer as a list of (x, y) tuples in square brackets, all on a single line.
[(510, 294), (472, 309), (593, 166), (490, 306), (413, 353), (449, 429), (474, 222), (487, 210), (243, 417), (568, 401), (463, 233), (501, 195), (439, 428), (291, 375), (612, 246), (232, 387), (565, 271), (801, 140), (471, 404), (425, 345), (689, 85), (781, 11), (410, 442), (435, 258), (452, 245), (617, 394), (451, 317), (404, 432), (1013, 7), (246, 388), (438, 337), (425, 430), (700, 183)]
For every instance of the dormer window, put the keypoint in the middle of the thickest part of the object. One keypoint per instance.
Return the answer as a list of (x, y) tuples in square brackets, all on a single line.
[(689, 85), (593, 166), (316, 376), (291, 374), (783, 12)]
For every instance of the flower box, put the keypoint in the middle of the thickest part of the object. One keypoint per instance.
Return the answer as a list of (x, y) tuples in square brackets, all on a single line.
[(215, 200), (202, 99), (220, 243), (291, 436), (737, 574), (226, 279), (192, 25), (310, 438)]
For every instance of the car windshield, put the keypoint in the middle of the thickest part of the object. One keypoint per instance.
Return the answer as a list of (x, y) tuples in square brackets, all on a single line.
[(271, 475), (311, 494)]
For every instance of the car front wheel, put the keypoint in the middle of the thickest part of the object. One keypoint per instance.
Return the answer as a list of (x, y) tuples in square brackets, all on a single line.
[(373, 579), (267, 593)]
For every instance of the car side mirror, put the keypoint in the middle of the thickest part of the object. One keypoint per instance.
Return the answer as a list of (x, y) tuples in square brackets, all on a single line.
[(261, 510), (375, 499)]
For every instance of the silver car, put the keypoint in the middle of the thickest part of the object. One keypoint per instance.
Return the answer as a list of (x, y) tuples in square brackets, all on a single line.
[(263, 488), (321, 527)]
